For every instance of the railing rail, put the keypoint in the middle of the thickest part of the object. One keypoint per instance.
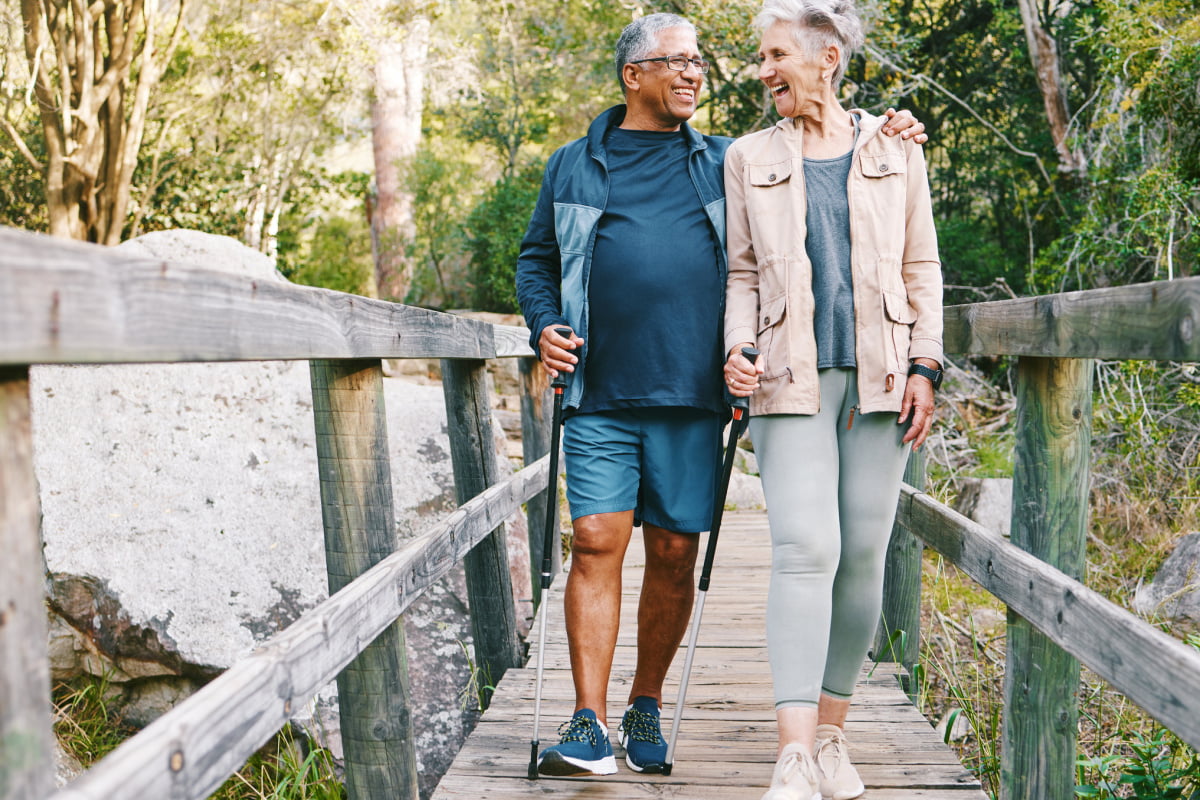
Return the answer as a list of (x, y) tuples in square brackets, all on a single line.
[(1054, 621), (70, 303)]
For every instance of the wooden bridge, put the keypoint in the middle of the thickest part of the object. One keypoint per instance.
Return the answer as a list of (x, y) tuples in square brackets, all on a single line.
[(68, 303), (727, 741)]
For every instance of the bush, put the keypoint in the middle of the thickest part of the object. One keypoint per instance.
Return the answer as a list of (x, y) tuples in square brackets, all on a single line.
[(494, 230)]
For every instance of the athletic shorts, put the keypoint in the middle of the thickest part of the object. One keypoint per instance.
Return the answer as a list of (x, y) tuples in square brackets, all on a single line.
[(660, 462)]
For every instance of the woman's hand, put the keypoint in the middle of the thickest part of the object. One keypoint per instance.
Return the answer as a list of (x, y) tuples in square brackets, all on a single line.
[(741, 377), (918, 404), (556, 350)]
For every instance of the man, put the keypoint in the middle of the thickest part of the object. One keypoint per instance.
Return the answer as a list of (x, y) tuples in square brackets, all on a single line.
[(626, 248)]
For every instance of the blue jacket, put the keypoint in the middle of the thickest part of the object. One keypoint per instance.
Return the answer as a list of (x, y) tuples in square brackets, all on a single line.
[(556, 253)]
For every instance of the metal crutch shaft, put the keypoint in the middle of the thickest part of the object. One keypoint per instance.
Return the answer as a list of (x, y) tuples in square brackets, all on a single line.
[(559, 384)]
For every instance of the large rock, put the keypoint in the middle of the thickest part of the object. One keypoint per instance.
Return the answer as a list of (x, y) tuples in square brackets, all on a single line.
[(182, 524), (987, 501), (1175, 591)]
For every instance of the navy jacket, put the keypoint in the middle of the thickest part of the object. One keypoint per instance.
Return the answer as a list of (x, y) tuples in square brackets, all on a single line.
[(556, 252)]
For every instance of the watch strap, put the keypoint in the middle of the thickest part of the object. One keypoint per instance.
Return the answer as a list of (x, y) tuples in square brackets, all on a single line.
[(934, 375)]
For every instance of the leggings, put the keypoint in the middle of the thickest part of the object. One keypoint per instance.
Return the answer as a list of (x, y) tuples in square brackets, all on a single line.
[(831, 482)]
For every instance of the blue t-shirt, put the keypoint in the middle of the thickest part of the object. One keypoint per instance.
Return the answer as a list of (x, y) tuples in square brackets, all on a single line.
[(828, 248), (655, 289)]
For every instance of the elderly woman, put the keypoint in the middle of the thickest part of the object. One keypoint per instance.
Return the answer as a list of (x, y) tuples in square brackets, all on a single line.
[(834, 276)]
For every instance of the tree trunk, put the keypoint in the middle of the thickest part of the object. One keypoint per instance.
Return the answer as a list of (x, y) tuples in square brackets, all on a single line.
[(82, 59), (396, 134), (1043, 50)]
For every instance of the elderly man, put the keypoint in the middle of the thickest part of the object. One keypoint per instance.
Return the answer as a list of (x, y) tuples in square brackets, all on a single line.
[(626, 248)]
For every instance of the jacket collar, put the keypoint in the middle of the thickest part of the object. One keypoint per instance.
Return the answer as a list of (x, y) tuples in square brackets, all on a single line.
[(869, 137), (615, 116)]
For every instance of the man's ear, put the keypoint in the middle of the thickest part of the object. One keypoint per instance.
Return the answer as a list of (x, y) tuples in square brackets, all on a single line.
[(631, 76)]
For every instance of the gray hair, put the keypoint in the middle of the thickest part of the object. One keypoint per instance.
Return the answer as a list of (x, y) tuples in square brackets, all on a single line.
[(816, 25), (640, 37)]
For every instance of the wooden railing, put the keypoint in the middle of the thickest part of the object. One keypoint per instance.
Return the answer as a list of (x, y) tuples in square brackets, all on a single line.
[(69, 303), (1054, 621)]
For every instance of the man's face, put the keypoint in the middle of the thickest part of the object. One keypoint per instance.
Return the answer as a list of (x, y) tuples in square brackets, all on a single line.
[(658, 97)]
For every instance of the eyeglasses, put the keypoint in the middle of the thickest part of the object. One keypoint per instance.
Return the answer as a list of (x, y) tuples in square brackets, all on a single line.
[(678, 63)]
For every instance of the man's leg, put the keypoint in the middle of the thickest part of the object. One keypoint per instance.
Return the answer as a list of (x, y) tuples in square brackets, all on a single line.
[(665, 606), (593, 604)]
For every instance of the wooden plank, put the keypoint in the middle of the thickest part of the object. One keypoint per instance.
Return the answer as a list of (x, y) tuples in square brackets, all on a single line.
[(214, 731), (489, 583), (359, 518), (1157, 672), (1049, 520), (26, 752), (898, 638), (72, 302), (1158, 321)]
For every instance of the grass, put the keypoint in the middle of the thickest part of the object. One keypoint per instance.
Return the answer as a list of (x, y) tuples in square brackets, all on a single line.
[(88, 725)]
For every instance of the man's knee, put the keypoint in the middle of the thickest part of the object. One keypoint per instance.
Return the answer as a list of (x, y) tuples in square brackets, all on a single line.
[(598, 536), (671, 551)]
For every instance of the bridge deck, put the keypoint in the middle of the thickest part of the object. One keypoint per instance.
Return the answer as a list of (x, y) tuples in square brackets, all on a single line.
[(726, 747)]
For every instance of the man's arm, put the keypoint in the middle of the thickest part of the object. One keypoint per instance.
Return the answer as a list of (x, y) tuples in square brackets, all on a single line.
[(539, 268)]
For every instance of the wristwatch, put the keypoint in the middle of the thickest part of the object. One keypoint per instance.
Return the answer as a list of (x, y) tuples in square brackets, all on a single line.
[(934, 375)]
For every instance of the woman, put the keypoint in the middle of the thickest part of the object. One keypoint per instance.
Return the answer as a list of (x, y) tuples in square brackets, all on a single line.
[(834, 276)]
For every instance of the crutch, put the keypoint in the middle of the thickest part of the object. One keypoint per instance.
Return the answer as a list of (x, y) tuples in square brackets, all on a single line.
[(741, 413), (550, 541)]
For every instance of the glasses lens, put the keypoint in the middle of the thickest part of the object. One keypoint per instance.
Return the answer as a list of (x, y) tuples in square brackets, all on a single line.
[(680, 64)]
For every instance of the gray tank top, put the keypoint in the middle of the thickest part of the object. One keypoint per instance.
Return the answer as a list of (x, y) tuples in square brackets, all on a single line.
[(828, 248)]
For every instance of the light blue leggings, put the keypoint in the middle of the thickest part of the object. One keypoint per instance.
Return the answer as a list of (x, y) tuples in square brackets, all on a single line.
[(831, 491)]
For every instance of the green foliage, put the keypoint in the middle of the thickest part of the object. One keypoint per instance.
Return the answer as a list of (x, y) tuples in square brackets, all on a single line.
[(1157, 766), (494, 231), (444, 188), (337, 256)]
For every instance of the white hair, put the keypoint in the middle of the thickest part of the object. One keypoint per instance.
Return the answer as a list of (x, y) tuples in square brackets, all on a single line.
[(816, 25)]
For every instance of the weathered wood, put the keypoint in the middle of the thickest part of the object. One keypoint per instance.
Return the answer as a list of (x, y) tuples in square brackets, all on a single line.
[(71, 302), (898, 638), (728, 738), (26, 754), (1159, 320), (360, 531), (537, 410), (190, 751), (1050, 508), (489, 582), (1159, 673)]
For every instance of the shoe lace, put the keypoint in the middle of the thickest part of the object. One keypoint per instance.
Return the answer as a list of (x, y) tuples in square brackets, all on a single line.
[(641, 726), (577, 729), (795, 765), (832, 750)]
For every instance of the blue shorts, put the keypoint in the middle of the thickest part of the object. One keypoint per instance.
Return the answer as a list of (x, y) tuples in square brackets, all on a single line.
[(660, 462)]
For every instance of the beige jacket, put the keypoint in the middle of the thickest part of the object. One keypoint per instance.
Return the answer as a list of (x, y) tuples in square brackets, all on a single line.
[(895, 269)]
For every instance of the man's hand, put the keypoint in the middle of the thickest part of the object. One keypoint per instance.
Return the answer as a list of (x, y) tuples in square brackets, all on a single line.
[(904, 123), (556, 350)]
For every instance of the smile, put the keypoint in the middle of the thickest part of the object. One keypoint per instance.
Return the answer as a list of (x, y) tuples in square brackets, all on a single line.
[(689, 94), (779, 89)]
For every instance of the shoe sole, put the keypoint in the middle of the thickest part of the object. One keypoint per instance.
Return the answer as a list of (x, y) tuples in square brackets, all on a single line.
[(562, 767), (649, 769)]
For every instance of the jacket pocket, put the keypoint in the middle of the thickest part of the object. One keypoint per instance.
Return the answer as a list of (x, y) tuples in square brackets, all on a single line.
[(882, 165), (898, 315), (769, 174)]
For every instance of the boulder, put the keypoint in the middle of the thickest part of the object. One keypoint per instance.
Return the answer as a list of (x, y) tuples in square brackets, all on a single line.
[(1175, 591), (987, 501), (182, 523)]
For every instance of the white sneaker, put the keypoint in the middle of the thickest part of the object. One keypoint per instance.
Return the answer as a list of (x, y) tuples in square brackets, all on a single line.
[(795, 776), (839, 778)]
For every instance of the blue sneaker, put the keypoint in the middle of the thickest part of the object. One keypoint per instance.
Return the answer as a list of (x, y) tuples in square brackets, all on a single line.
[(641, 736), (583, 748)]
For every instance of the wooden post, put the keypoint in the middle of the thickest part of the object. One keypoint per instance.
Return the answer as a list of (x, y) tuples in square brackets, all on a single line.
[(489, 582), (537, 409), (26, 739), (1050, 505), (360, 530), (898, 639)]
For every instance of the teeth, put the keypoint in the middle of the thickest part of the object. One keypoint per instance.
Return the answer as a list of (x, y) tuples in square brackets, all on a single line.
[(780, 89)]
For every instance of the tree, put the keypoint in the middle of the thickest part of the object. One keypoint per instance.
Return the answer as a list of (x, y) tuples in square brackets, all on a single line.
[(1043, 49), (93, 68)]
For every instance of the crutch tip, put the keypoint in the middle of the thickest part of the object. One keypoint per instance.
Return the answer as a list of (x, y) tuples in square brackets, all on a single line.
[(533, 767)]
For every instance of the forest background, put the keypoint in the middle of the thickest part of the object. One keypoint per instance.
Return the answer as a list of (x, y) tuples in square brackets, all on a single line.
[(395, 149)]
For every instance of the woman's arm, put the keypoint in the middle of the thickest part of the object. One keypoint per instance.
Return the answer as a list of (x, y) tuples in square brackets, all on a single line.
[(741, 289)]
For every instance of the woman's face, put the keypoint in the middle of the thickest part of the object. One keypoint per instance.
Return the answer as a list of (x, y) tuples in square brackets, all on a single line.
[(794, 78)]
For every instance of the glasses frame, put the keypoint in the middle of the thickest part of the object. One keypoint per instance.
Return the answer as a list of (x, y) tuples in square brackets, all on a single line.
[(700, 64)]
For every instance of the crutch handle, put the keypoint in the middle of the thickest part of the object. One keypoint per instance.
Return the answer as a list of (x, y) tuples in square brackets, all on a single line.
[(741, 405), (560, 380)]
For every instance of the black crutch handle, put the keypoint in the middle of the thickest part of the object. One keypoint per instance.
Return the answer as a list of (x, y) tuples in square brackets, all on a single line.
[(741, 404), (560, 380)]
